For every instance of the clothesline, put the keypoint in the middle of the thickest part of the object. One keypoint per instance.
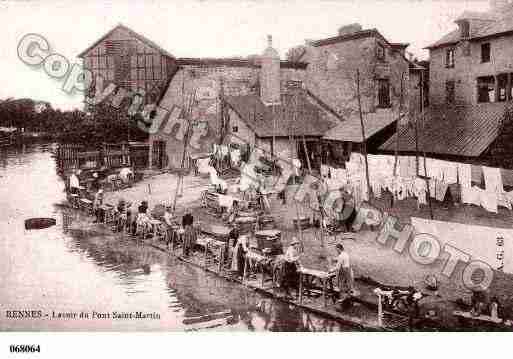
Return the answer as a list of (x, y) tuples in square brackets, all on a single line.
[(443, 176)]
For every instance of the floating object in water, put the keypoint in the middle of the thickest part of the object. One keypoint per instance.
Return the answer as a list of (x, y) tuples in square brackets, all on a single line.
[(39, 223)]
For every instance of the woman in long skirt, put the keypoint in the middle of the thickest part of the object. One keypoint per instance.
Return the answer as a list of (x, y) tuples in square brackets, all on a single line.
[(189, 237)]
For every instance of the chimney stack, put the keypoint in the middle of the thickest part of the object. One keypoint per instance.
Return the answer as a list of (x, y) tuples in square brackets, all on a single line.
[(270, 75)]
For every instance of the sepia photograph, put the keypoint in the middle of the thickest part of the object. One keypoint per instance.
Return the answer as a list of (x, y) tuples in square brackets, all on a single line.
[(255, 166)]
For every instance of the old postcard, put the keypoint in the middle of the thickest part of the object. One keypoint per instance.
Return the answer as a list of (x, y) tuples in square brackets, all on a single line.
[(256, 166)]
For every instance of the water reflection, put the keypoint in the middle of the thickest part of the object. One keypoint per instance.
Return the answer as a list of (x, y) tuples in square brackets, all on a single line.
[(78, 266)]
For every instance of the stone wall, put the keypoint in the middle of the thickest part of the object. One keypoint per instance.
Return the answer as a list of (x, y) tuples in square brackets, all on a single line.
[(206, 81), (468, 67), (331, 74)]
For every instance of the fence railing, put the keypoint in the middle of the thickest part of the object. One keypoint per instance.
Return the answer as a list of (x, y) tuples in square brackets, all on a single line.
[(71, 156)]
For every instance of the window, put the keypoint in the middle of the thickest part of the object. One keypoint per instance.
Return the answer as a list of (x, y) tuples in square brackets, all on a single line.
[(380, 52), (449, 92), (235, 129), (449, 58), (485, 52), (485, 89), (465, 29), (502, 82), (383, 93)]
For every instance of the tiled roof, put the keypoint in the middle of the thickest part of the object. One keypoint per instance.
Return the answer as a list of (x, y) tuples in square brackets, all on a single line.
[(483, 24), (260, 118), (462, 130), (347, 37), (133, 33), (351, 130), (235, 62)]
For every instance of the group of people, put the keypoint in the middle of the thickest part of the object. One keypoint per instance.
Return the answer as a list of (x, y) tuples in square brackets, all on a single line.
[(95, 188), (340, 266)]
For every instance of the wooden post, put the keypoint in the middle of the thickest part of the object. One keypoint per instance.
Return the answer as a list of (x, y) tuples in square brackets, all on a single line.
[(205, 257), (300, 287), (186, 140), (508, 88), (263, 275), (245, 270), (397, 127), (298, 214), (364, 143), (380, 311), (426, 177), (221, 259), (325, 298), (150, 153)]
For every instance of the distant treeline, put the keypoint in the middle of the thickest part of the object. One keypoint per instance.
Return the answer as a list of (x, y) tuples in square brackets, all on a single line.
[(102, 124)]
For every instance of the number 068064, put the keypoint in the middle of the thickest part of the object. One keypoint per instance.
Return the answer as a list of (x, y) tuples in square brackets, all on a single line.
[(25, 349)]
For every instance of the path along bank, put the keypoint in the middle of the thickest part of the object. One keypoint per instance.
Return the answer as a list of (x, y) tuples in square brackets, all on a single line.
[(374, 265)]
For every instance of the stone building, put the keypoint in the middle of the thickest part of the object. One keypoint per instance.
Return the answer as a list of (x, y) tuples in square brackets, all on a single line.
[(474, 63), (220, 85), (469, 118), (303, 100), (384, 80)]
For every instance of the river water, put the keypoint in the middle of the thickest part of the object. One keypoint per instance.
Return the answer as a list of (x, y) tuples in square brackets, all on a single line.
[(74, 267)]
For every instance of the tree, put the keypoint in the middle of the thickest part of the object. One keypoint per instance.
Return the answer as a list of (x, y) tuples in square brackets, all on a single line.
[(294, 54)]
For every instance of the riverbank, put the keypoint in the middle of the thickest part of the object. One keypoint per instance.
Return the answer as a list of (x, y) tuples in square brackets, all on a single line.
[(372, 262)]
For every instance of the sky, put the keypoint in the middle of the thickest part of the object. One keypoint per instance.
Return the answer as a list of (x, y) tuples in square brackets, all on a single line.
[(207, 28)]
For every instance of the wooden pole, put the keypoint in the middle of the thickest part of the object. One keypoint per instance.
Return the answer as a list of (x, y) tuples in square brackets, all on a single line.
[(298, 213), (426, 177), (364, 141), (397, 127), (223, 123), (186, 140)]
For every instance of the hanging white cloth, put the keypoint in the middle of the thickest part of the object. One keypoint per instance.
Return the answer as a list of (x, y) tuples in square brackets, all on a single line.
[(441, 189), (419, 189), (450, 172), (296, 166), (493, 179), (325, 171), (224, 150), (477, 174), (471, 195), (435, 168), (235, 157), (488, 200), (503, 200), (73, 181), (464, 175), (203, 165)]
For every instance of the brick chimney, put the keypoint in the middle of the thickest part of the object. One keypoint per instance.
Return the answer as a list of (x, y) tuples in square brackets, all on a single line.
[(270, 74)]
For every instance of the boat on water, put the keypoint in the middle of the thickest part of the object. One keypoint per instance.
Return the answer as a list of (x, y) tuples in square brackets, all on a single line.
[(39, 223)]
